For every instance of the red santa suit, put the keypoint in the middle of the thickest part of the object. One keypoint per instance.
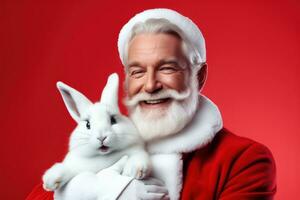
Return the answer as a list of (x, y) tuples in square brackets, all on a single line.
[(205, 161)]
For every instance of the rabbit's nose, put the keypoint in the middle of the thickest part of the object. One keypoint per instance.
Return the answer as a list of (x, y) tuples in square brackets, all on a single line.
[(101, 138)]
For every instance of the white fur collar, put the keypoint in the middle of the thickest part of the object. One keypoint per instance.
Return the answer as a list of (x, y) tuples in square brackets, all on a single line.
[(199, 132)]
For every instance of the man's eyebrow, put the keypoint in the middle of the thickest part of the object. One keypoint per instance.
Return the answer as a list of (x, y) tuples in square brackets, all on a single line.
[(134, 64), (170, 61), (159, 63)]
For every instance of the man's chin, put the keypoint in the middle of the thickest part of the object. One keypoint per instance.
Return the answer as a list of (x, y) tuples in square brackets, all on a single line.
[(152, 112)]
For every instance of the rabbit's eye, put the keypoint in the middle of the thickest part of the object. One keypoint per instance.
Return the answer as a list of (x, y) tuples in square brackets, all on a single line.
[(88, 126), (113, 120)]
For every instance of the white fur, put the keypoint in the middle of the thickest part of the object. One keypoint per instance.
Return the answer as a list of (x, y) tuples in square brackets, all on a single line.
[(103, 143), (168, 168)]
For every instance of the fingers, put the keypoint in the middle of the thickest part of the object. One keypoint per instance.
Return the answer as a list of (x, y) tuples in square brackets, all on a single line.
[(119, 165), (155, 196), (156, 189), (153, 181)]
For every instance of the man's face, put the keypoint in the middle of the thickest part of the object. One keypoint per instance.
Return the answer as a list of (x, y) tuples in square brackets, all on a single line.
[(161, 99), (155, 62)]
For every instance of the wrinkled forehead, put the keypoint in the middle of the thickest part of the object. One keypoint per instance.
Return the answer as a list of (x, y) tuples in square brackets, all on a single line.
[(155, 47)]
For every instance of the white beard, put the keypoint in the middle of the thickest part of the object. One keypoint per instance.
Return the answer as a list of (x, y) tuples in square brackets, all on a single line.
[(157, 123)]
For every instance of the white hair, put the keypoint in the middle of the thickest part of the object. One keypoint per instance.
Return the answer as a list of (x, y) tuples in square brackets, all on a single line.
[(162, 25)]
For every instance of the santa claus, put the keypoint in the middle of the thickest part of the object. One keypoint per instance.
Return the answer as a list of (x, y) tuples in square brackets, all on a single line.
[(193, 156)]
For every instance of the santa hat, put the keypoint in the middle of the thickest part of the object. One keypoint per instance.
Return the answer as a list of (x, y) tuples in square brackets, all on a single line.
[(187, 26)]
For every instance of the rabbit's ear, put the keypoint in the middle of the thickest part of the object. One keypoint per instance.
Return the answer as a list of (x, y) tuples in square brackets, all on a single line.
[(110, 92), (75, 102)]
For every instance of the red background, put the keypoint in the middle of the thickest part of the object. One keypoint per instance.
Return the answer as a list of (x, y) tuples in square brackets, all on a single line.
[(253, 57)]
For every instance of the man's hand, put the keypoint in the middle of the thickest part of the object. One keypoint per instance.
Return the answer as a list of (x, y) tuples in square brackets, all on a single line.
[(150, 189)]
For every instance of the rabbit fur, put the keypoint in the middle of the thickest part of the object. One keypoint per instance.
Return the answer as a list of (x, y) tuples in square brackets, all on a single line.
[(101, 138)]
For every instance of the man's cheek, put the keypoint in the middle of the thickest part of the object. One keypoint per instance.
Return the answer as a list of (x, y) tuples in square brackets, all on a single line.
[(175, 82), (132, 89), (134, 86)]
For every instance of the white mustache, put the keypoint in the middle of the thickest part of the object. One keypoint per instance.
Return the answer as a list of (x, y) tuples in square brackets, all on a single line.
[(163, 94)]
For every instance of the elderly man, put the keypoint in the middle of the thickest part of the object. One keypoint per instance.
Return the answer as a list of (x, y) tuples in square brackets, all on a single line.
[(193, 155)]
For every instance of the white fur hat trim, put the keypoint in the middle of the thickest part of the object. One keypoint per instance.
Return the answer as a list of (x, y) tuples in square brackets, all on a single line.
[(188, 27)]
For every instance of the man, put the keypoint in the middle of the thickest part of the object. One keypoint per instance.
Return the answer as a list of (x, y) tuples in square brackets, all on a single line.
[(164, 57)]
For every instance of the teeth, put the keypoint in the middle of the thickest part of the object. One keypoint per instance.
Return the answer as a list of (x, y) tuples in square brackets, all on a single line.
[(154, 101)]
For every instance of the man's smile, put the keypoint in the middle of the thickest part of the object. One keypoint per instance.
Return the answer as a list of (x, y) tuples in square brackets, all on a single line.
[(154, 103)]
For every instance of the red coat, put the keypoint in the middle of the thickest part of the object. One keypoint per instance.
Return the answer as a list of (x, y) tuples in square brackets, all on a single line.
[(229, 168)]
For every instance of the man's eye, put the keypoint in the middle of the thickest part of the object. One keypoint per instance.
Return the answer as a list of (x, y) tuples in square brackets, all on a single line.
[(88, 126), (168, 69), (113, 120), (137, 73)]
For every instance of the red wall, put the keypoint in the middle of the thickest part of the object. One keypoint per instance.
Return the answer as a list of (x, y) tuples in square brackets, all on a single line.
[(253, 57)]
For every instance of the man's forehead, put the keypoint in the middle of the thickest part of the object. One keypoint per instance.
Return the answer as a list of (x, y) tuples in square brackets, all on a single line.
[(169, 60), (160, 47)]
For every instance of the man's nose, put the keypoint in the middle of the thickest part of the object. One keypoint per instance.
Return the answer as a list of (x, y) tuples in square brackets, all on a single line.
[(152, 84)]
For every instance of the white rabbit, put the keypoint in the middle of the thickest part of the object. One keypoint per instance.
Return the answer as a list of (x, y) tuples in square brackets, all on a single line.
[(101, 138)]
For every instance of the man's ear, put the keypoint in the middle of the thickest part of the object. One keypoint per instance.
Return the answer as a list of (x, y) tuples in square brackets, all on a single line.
[(202, 75)]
